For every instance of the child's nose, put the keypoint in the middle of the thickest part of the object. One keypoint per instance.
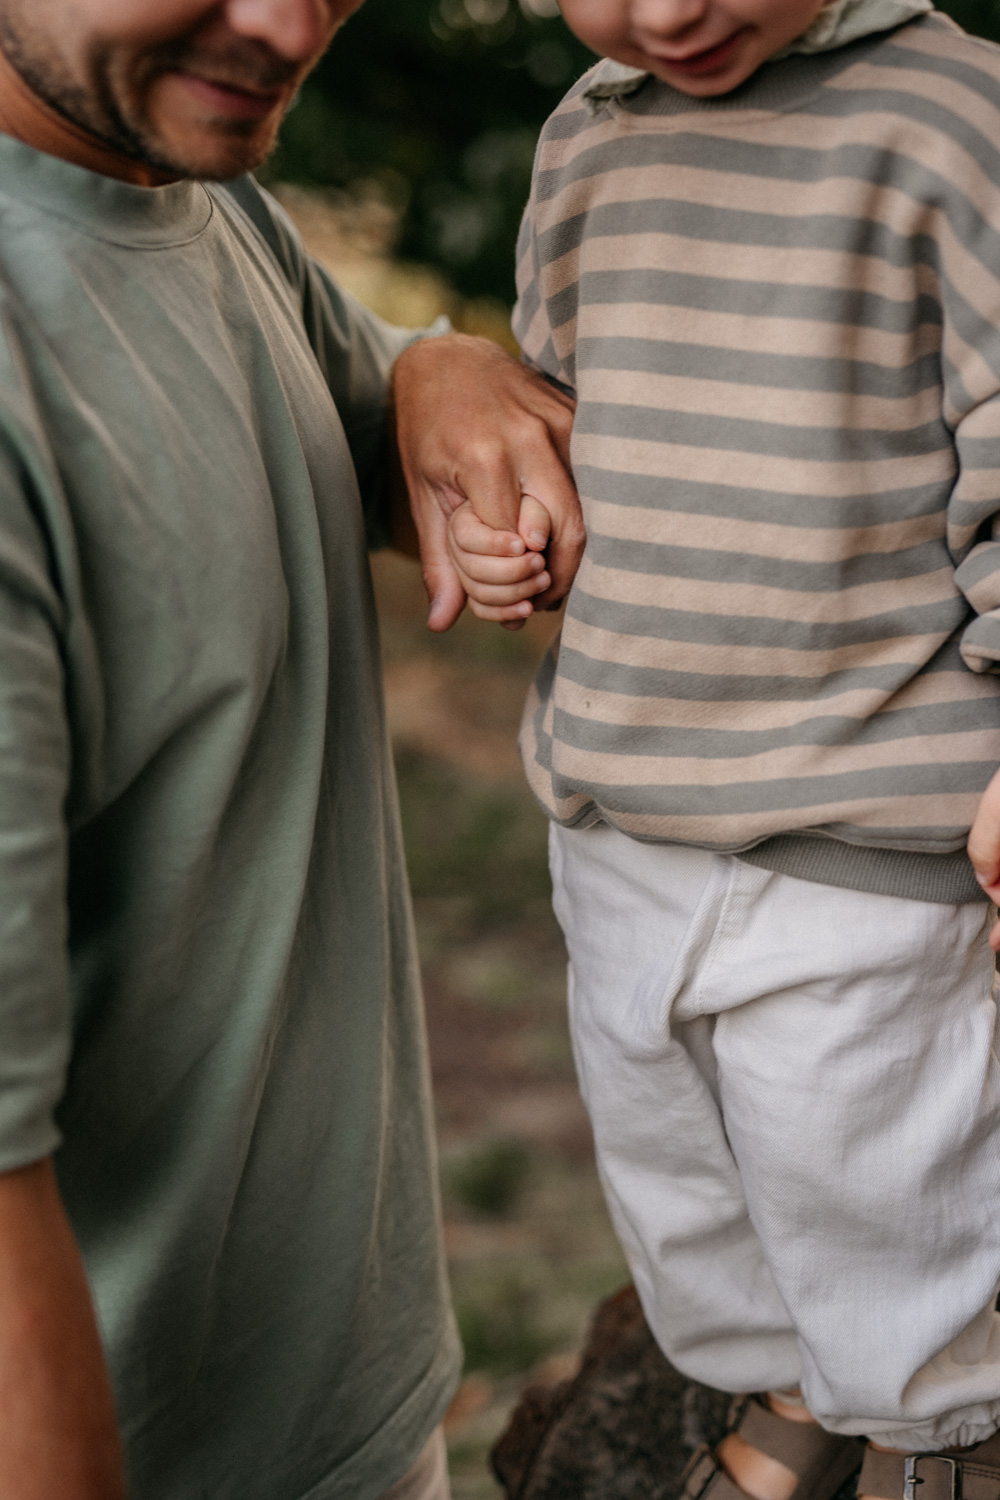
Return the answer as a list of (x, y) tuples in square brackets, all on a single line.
[(665, 19)]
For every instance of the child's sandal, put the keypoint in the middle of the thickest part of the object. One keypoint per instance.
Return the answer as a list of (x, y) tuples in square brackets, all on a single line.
[(822, 1460), (972, 1474)]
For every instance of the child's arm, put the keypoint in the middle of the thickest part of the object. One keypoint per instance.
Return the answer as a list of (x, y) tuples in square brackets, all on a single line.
[(984, 849), (502, 571)]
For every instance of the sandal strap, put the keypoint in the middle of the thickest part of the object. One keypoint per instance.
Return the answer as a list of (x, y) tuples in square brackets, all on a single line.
[(822, 1460), (704, 1478), (972, 1475), (800, 1446)]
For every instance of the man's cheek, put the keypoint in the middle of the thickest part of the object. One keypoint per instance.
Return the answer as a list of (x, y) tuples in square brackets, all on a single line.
[(137, 23)]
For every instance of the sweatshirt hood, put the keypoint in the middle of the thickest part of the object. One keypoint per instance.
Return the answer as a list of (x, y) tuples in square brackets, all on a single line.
[(839, 22)]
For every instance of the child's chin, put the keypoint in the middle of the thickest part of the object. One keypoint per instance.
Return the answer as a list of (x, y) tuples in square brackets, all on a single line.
[(710, 86)]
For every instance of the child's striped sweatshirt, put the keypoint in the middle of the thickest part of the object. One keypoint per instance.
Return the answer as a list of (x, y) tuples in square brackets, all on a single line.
[(780, 313)]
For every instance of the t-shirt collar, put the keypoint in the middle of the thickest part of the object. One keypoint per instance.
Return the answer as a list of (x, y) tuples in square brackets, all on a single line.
[(103, 207)]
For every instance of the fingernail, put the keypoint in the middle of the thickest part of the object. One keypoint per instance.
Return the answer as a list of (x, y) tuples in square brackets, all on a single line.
[(516, 546), (537, 539), (982, 880), (525, 609)]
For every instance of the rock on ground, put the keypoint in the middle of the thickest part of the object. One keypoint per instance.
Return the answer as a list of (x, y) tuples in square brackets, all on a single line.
[(623, 1429)]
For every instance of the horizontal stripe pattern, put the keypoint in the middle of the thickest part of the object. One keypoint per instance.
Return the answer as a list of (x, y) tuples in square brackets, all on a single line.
[(780, 313)]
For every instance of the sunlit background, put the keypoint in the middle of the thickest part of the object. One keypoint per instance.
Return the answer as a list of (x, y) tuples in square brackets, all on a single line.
[(436, 107), (406, 163)]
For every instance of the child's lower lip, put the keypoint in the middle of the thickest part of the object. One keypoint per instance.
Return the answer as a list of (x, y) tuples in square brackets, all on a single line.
[(710, 61)]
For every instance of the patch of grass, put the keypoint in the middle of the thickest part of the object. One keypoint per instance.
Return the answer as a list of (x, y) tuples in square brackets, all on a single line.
[(515, 1310), (502, 1327), (485, 843), (505, 649), (490, 1179)]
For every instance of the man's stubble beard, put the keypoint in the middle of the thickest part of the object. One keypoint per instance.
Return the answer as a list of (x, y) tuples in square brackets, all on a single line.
[(98, 108)]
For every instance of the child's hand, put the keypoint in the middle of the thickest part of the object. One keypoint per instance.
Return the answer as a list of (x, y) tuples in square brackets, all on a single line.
[(984, 849), (501, 571)]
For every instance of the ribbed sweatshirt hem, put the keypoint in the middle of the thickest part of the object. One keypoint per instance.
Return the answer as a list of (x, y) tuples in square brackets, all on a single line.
[(914, 875)]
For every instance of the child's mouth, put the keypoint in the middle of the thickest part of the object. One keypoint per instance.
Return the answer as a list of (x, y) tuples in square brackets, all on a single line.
[(712, 60)]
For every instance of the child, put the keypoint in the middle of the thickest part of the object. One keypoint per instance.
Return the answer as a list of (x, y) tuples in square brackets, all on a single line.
[(763, 251)]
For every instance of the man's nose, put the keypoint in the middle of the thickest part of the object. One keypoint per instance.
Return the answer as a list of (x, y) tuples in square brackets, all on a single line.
[(297, 30)]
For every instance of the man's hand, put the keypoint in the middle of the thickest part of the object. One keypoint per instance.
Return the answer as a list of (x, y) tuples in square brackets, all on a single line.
[(984, 849), (474, 424), (58, 1435)]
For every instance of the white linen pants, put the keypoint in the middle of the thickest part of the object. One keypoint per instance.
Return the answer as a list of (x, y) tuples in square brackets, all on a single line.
[(795, 1096)]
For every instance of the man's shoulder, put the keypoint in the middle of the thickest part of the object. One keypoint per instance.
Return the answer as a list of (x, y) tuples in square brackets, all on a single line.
[(253, 204)]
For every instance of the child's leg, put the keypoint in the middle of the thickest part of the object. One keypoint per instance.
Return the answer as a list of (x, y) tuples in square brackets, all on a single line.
[(649, 1083), (835, 1220)]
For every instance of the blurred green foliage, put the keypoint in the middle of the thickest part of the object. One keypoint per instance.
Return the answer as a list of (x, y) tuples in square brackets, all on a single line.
[(490, 1178), (436, 104), (982, 17), (501, 1326), (479, 841)]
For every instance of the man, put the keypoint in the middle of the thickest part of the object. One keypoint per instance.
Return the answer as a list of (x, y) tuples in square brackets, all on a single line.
[(209, 1014)]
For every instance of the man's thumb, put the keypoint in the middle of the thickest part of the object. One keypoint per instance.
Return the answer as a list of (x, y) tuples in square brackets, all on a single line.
[(442, 583), (534, 524)]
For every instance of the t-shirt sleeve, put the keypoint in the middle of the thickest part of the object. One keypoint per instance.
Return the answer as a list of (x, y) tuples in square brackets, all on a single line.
[(35, 1013), (354, 347)]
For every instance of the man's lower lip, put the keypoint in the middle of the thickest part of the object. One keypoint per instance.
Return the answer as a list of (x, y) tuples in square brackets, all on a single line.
[(711, 61), (223, 100)]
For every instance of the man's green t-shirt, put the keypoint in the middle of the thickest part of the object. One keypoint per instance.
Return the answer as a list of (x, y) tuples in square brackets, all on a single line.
[(209, 1004)]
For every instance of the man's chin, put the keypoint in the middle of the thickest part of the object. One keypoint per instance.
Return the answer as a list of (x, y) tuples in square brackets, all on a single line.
[(211, 154), (186, 130)]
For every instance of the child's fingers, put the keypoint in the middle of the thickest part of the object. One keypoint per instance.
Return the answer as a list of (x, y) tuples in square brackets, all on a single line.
[(547, 480), (984, 848), (984, 837), (499, 595), (471, 535), (534, 524), (494, 581), (512, 616), (496, 570)]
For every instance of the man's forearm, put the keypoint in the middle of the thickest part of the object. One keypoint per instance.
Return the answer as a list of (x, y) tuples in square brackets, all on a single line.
[(58, 1433)]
